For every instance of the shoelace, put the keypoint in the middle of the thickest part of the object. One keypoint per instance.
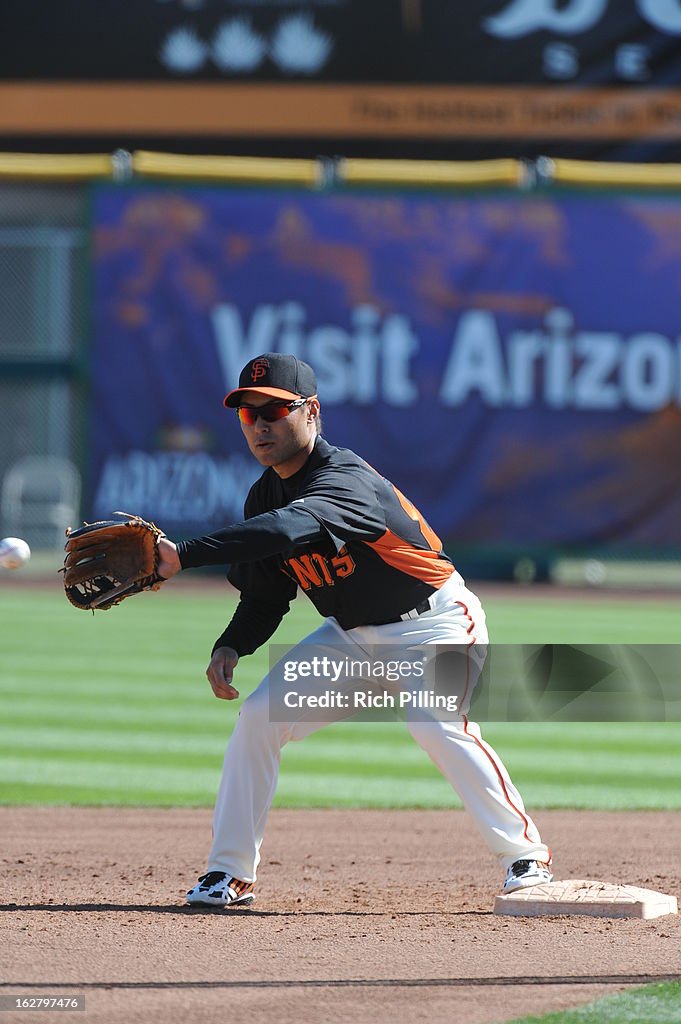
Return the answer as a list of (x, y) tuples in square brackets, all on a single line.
[(211, 878), (520, 867)]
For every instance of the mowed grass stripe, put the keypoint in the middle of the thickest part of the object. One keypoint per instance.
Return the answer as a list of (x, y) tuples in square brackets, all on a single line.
[(93, 688), (520, 617), (46, 740), (614, 736), (663, 741), (333, 747), (563, 619), (582, 797), (318, 792), (209, 715), (598, 764), (216, 721), (220, 728), (398, 784), (75, 714), (142, 777), (212, 719), (313, 793), (357, 767), (178, 785), (353, 758), (341, 789), (566, 753), (55, 793), (435, 793), (559, 764), (193, 620), (81, 678)]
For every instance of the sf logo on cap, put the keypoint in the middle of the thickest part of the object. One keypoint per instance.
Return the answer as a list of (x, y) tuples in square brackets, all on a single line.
[(259, 368)]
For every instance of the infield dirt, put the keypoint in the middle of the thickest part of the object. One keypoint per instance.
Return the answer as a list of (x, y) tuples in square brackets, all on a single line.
[(361, 915)]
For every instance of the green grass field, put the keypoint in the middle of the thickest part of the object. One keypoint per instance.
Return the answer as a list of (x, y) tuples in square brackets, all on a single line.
[(115, 709), (653, 1004)]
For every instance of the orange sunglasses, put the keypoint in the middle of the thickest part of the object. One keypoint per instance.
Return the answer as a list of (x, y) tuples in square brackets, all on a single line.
[(270, 412)]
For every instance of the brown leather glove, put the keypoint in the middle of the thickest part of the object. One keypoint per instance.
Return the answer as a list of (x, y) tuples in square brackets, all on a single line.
[(111, 560)]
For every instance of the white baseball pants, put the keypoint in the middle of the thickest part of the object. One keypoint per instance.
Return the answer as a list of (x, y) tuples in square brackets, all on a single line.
[(471, 766)]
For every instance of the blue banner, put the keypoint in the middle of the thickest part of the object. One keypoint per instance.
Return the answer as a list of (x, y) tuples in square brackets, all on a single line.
[(513, 364)]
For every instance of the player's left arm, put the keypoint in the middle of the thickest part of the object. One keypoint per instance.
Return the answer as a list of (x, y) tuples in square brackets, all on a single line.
[(278, 532)]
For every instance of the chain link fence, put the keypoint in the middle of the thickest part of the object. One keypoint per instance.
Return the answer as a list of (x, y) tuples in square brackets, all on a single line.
[(43, 324)]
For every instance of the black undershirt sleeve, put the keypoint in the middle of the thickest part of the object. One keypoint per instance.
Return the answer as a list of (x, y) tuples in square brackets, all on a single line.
[(252, 624), (271, 533), (246, 546)]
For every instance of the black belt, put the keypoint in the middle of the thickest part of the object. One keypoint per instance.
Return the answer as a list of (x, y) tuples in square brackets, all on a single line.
[(413, 613)]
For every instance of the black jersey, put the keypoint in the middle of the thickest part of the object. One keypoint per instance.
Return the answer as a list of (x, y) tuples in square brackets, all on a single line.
[(338, 530)]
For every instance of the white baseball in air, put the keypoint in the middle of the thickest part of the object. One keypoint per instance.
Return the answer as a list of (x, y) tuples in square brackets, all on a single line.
[(14, 552)]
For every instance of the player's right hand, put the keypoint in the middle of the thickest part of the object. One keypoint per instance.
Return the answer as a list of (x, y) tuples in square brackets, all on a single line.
[(220, 672)]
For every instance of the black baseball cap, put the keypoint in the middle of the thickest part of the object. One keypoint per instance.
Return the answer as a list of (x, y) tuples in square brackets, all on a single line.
[(277, 375)]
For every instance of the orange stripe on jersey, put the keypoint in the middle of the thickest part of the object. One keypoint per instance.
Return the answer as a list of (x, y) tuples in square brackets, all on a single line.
[(487, 752), (424, 565), (429, 534)]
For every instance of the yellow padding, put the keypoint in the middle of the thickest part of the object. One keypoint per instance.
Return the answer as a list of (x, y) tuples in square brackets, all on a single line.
[(431, 172), (55, 166), (586, 172), (226, 168)]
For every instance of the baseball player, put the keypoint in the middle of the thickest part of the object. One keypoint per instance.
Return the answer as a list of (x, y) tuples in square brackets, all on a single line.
[(320, 518)]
